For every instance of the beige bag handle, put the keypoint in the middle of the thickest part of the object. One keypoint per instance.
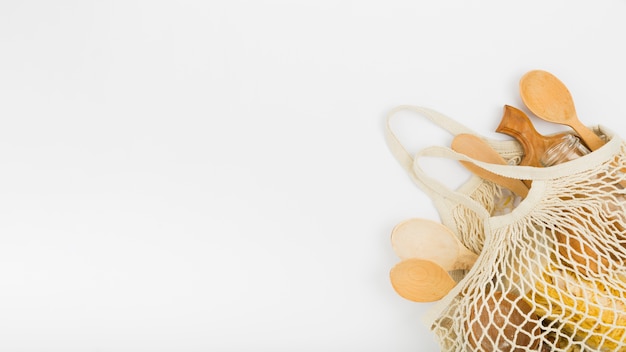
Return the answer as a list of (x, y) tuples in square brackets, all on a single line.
[(438, 192), (402, 155)]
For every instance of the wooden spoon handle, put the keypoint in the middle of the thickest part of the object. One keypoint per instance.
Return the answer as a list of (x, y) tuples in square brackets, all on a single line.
[(478, 149), (548, 98), (586, 135), (465, 260), (592, 141), (420, 280)]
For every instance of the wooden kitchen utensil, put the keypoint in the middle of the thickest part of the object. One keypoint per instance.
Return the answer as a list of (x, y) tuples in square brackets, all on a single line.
[(478, 149), (548, 98), (430, 240), (517, 124), (420, 280)]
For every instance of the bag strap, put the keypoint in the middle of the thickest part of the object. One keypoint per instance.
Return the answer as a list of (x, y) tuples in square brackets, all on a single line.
[(508, 147), (399, 151), (437, 191), (604, 154)]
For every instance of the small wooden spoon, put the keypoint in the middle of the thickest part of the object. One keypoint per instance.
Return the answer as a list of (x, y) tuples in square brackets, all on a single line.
[(420, 280), (517, 124), (548, 98), (430, 240), (478, 149)]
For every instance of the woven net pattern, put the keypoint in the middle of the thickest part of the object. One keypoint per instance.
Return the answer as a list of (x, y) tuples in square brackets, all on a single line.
[(469, 225), (553, 279)]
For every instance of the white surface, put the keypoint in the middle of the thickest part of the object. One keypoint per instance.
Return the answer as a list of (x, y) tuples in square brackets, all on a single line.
[(212, 175)]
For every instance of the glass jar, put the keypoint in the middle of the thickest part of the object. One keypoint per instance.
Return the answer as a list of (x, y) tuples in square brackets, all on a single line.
[(568, 149)]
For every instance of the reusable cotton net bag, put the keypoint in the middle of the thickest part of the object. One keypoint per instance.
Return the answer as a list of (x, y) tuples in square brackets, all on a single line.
[(551, 274), (464, 222)]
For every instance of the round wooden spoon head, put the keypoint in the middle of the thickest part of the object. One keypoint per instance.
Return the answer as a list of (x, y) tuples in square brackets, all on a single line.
[(420, 280), (430, 240), (548, 98), (476, 148)]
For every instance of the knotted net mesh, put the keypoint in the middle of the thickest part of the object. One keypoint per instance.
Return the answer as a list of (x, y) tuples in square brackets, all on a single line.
[(552, 278)]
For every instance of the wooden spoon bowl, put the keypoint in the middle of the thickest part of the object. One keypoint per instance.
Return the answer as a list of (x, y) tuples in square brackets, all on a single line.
[(430, 240), (420, 280), (548, 98)]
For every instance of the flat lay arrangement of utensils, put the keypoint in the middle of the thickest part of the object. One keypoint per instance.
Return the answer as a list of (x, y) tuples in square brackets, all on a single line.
[(427, 249), (545, 272)]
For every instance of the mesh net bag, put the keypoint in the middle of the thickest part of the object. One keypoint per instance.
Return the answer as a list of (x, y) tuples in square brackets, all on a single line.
[(551, 274), (463, 221)]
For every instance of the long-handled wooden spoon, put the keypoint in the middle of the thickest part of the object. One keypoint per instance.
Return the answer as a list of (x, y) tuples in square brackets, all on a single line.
[(517, 124), (548, 98), (430, 240), (478, 149), (420, 280)]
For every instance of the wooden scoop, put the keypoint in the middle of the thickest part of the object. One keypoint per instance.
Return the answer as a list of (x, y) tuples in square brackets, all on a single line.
[(548, 98), (430, 240), (516, 124), (420, 280), (476, 148)]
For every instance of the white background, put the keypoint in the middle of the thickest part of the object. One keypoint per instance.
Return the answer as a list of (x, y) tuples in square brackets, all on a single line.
[(213, 175)]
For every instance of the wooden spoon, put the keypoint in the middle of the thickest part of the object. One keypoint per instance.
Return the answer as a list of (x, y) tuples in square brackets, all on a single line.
[(430, 240), (548, 98), (517, 124), (420, 280), (478, 149)]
